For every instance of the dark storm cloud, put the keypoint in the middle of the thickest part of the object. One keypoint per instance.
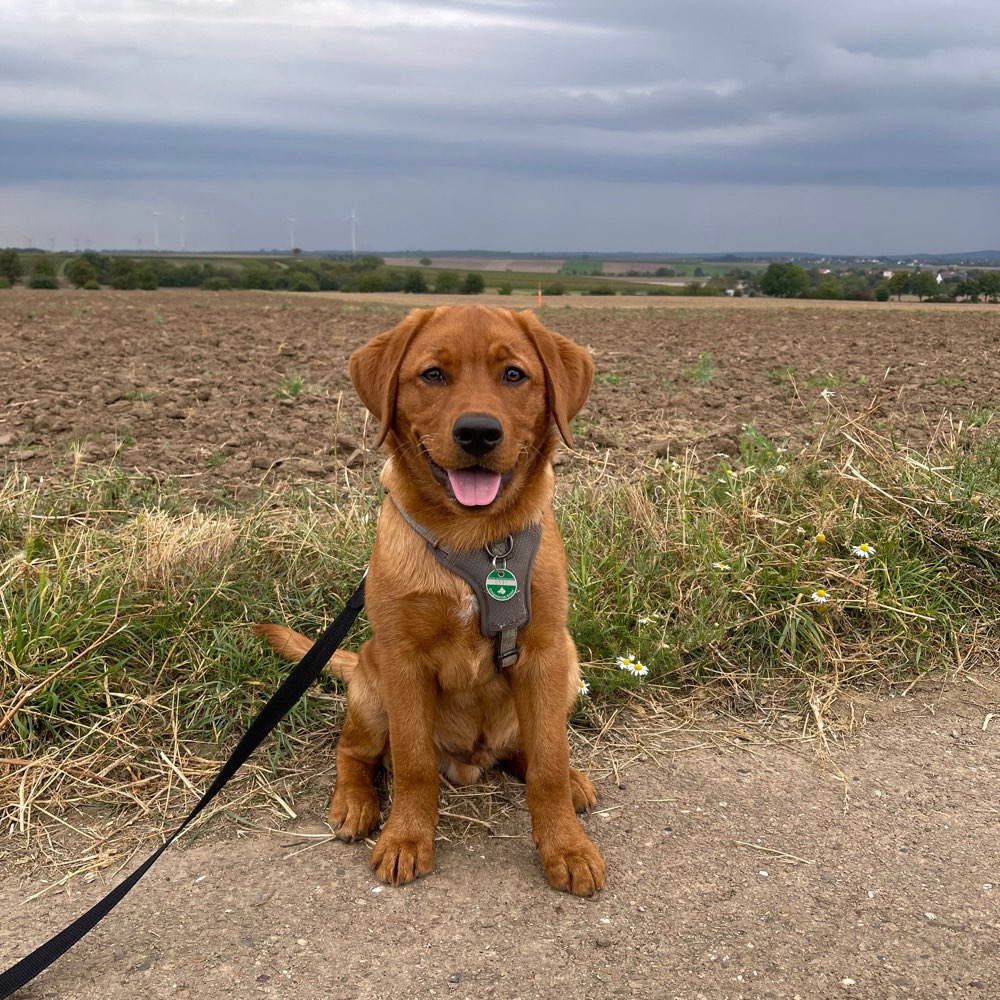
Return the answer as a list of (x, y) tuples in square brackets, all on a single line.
[(719, 92)]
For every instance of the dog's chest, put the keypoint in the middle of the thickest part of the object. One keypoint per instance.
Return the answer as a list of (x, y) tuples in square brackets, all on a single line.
[(465, 658)]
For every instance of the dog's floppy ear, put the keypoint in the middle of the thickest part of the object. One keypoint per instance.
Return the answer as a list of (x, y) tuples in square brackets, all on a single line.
[(569, 371), (374, 368)]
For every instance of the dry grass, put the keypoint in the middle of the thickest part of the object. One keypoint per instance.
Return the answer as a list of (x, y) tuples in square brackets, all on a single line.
[(128, 668)]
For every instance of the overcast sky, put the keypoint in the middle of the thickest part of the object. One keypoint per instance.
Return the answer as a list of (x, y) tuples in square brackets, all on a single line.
[(525, 125)]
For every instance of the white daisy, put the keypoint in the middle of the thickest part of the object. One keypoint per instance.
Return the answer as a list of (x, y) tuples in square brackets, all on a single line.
[(632, 665), (722, 567), (582, 688), (864, 550), (820, 596)]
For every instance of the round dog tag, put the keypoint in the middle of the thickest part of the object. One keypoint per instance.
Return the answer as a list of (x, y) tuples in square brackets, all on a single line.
[(501, 585)]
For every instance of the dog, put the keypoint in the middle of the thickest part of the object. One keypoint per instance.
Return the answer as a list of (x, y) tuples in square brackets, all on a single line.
[(470, 403)]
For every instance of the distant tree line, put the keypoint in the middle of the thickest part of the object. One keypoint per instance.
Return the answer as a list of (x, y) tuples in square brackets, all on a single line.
[(367, 273), (785, 280)]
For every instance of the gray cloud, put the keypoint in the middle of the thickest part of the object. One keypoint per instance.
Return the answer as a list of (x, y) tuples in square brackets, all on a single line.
[(592, 95)]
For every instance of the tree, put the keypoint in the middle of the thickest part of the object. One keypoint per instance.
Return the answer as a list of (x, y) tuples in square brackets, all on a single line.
[(830, 289), (11, 267), (43, 274), (100, 262), (414, 282), (425, 262), (371, 281), (257, 276), (301, 280), (899, 283), (145, 277), (922, 284), (785, 281), (79, 271), (121, 273), (988, 284), (446, 282), (473, 284)]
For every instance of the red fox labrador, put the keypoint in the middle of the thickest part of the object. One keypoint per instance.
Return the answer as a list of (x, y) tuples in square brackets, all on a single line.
[(471, 663)]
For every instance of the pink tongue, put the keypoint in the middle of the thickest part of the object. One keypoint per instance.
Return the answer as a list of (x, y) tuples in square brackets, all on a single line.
[(474, 487)]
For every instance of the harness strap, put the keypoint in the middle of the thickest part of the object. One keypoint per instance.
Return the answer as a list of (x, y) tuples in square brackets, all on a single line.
[(499, 574)]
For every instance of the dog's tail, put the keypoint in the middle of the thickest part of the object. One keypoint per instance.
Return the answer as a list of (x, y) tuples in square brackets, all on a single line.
[(293, 646)]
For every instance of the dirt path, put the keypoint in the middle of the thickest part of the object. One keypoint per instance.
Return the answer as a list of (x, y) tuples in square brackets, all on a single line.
[(748, 872)]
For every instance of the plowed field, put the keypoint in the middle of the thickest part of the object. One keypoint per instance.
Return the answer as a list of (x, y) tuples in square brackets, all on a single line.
[(232, 391)]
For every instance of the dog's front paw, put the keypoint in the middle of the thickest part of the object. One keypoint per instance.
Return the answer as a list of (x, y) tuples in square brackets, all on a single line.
[(401, 854), (575, 866), (355, 810)]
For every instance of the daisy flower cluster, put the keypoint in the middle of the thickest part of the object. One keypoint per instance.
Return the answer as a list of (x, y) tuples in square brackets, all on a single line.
[(629, 663), (863, 550)]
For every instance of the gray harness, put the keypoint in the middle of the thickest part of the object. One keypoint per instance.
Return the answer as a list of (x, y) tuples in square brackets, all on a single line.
[(500, 576)]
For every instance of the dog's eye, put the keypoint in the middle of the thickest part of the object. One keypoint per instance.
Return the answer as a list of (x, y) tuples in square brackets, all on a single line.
[(513, 375), (433, 375)]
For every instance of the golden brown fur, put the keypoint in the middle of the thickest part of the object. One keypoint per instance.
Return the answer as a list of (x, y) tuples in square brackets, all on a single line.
[(424, 690)]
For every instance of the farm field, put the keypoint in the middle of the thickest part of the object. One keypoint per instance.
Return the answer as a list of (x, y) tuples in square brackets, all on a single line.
[(539, 265), (798, 801), (232, 391)]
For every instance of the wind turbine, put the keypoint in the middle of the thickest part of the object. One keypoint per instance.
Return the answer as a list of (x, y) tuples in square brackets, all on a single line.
[(291, 232), (353, 219), (156, 230), (183, 238)]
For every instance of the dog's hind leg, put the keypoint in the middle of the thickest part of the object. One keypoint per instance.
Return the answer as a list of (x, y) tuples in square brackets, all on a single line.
[(581, 787), (355, 809)]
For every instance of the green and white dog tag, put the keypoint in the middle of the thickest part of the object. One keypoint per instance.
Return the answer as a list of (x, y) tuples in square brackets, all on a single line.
[(501, 585)]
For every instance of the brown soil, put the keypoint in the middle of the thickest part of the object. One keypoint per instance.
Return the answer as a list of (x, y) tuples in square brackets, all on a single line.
[(188, 385), (879, 852)]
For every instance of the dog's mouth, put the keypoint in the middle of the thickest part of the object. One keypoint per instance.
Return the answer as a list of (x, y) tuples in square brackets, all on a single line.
[(473, 486)]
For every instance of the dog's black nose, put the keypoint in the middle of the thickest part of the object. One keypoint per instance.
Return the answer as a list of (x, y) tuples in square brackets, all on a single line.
[(477, 433)]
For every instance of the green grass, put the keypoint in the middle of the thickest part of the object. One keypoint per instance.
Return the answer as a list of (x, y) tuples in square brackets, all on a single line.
[(781, 376), (981, 416), (702, 372), (125, 649), (642, 554), (828, 380), (608, 378), (291, 386)]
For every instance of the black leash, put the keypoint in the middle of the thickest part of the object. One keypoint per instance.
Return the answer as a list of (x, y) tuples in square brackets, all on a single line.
[(291, 690)]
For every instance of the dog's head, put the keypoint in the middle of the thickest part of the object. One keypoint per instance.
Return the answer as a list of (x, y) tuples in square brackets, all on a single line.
[(470, 398)]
